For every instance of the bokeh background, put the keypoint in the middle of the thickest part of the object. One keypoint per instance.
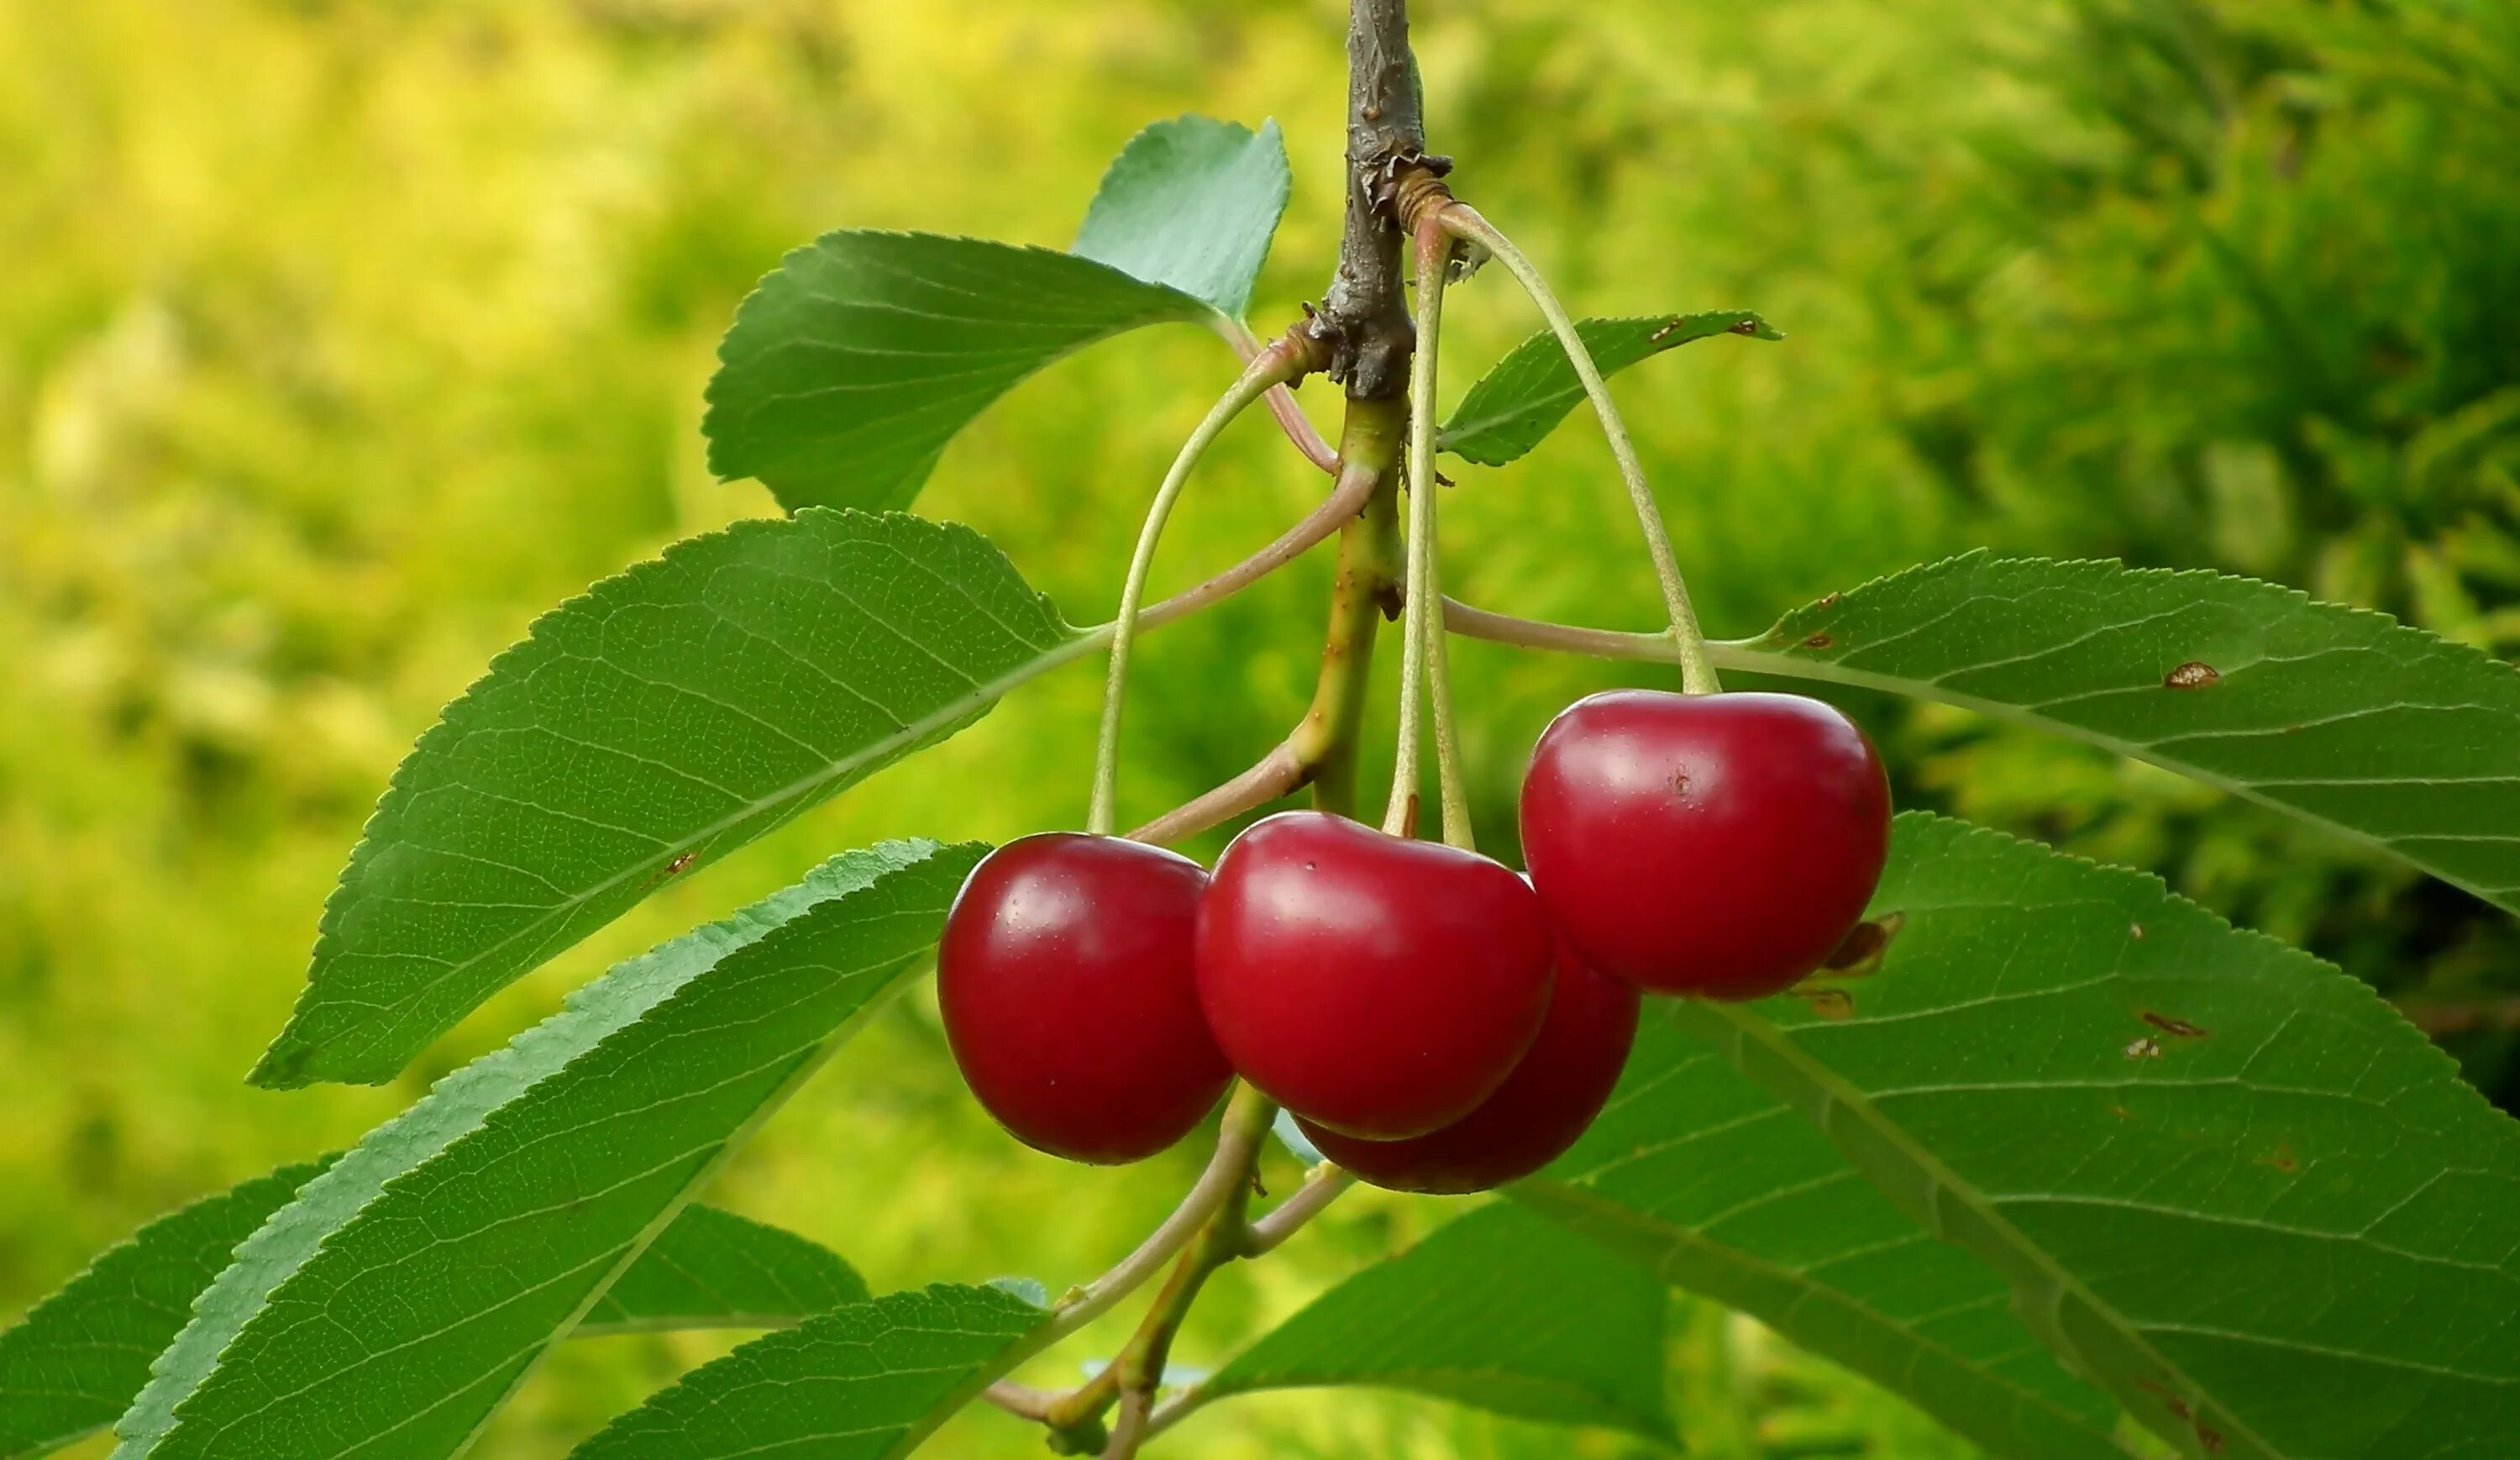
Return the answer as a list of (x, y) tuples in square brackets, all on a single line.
[(338, 338)]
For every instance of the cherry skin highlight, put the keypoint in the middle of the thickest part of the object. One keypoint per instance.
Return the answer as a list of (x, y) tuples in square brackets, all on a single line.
[(1533, 1117), (1065, 981), (1719, 846), (1377, 986)]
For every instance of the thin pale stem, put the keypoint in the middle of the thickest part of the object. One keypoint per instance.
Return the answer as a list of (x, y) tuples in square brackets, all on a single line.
[(1324, 1186), (1227, 1175), (1130, 1428), (1278, 773), (1697, 667), (1434, 253), (1269, 368), (1561, 638), (1280, 399), (1021, 1400)]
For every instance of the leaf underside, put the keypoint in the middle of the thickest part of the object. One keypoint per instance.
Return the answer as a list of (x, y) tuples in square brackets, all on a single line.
[(1523, 396), (464, 1238), (2223, 1178), (673, 713), (862, 1382), (1500, 1310), (2384, 734), (1191, 203), (77, 1360)]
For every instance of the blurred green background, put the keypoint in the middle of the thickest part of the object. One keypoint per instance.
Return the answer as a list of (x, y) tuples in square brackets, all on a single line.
[(339, 338)]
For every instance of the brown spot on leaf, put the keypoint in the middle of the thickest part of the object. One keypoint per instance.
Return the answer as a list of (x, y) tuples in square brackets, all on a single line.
[(1828, 1003), (1743, 327), (2144, 1048), (2191, 675), (1663, 333), (2135, 931), (1818, 641), (2178, 1405), (2168, 1026), (1860, 953), (1828, 601), (2210, 1438), (2285, 1160), (2121, 1113)]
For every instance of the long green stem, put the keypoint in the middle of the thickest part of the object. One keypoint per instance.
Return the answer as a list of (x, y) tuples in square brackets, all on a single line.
[(1367, 583), (1269, 368), (1697, 667), (1434, 252)]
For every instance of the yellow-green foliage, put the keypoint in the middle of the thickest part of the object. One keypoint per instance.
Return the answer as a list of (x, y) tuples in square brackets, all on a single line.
[(338, 338)]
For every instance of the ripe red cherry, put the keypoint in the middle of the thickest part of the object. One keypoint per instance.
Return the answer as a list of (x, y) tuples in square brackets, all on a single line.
[(1532, 1117), (1718, 845), (1065, 981), (1373, 985)]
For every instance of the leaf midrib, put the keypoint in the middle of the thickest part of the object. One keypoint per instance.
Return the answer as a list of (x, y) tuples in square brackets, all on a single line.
[(1613, 1211), (1741, 655), (1745, 1026), (1078, 643)]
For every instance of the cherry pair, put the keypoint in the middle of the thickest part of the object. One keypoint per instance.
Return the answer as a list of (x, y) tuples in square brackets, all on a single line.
[(1434, 1021)]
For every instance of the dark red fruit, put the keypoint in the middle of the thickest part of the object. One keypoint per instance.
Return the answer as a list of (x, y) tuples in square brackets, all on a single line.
[(1066, 979), (1718, 845), (1373, 985), (1532, 1117)]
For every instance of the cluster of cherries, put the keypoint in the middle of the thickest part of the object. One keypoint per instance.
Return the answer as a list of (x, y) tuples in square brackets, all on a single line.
[(1434, 1021)]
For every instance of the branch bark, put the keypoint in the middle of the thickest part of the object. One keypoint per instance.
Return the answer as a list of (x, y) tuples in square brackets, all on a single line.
[(1364, 319)]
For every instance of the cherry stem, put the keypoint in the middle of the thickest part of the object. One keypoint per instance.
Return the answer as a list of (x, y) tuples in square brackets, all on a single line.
[(1291, 417), (1271, 366), (1278, 773), (1434, 262), (1226, 1179), (1697, 667), (1324, 1185)]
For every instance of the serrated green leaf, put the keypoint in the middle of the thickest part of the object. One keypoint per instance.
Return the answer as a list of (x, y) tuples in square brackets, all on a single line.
[(2384, 734), (1521, 399), (1710, 1182), (1501, 1310), (671, 714), (1191, 203), (2222, 1177), (867, 1381), (72, 1363), (459, 1241), (75, 1362), (715, 1269)]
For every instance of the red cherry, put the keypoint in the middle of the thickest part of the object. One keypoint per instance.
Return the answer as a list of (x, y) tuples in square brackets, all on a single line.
[(1718, 845), (1065, 981), (1532, 1117), (1378, 986)]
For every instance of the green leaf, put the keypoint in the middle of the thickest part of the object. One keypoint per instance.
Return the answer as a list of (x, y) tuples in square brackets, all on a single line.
[(1523, 398), (671, 714), (849, 368), (406, 1291), (1191, 203), (72, 1363), (867, 1381), (715, 1269), (76, 1361), (1501, 1310), (1711, 1182), (2384, 734), (2222, 1177)]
